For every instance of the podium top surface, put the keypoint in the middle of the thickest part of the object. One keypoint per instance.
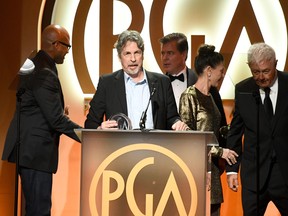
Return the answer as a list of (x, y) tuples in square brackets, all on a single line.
[(209, 135)]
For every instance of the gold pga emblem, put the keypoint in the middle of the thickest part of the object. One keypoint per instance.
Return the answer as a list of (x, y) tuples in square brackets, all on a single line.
[(120, 189)]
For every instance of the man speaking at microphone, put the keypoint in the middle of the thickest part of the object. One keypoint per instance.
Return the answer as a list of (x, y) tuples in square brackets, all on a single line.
[(129, 91)]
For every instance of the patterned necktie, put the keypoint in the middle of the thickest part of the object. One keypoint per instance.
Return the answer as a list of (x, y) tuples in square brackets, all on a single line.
[(180, 77), (268, 103)]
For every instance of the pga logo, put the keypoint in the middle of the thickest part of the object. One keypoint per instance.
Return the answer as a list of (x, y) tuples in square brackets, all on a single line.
[(150, 184)]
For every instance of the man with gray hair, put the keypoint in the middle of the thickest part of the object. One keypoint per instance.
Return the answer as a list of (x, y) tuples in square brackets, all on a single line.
[(130, 89), (261, 107)]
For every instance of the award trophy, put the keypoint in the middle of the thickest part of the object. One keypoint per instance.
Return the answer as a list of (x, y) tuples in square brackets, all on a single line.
[(123, 121)]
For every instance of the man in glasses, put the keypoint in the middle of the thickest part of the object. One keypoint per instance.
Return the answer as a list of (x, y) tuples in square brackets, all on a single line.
[(43, 120)]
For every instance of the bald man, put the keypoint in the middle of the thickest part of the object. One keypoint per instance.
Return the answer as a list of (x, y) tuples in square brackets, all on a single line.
[(42, 121)]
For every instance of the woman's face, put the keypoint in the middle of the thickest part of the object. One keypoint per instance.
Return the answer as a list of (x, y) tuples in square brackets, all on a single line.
[(217, 74)]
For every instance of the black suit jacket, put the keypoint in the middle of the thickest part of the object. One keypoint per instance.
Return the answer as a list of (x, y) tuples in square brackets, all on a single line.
[(110, 99), (271, 134), (42, 118)]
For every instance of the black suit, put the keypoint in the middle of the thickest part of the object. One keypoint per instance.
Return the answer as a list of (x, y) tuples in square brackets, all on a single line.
[(42, 118), (42, 122), (273, 137), (110, 99)]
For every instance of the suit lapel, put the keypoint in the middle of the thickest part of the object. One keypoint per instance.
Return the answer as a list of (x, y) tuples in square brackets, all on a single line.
[(191, 77), (281, 103), (60, 87), (252, 92), (153, 83), (262, 113), (61, 94), (120, 88)]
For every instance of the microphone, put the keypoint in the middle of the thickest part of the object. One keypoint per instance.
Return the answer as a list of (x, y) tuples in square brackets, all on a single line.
[(144, 114)]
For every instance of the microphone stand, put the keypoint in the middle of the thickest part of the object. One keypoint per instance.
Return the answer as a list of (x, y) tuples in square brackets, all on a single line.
[(256, 95), (144, 114), (19, 93), (143, 119)]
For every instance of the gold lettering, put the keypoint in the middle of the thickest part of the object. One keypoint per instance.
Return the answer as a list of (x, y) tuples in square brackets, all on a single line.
[(107, 39), (156, 28), (284, 6), (130, 189), (78, 48), (244, 16), (107, 196), (171, 188)]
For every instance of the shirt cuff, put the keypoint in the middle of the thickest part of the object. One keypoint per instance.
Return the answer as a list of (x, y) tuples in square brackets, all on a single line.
[(230, 173)]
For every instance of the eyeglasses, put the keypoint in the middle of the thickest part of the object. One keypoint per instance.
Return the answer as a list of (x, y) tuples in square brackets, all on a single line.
[(64, 44)]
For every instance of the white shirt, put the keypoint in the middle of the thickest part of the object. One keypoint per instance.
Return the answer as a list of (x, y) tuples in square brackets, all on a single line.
[(137, 97), (179, 87), (273, 94)]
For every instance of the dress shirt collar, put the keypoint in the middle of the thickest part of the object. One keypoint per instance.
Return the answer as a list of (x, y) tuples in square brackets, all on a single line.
[(128, 78), (179, 74)]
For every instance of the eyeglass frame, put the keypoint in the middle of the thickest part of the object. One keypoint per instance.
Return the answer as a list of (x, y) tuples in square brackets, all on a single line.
[(64, 44)]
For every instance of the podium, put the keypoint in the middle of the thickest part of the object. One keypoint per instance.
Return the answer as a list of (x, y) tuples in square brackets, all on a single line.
[(153, 173)]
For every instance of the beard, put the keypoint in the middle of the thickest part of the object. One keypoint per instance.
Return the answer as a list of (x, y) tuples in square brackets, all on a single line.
[(133, 72), (59, 59)]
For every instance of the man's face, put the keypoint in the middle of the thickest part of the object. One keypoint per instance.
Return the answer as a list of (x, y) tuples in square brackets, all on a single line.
[(62, 48), (172, 60), (131, 58), (264, 73)]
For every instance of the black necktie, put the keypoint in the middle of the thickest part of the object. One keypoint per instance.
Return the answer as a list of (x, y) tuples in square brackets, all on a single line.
[(268, 103), (180, 77)]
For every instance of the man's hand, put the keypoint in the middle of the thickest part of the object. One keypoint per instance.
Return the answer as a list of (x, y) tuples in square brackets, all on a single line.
[(232, 181), (208, 181), (230, 156), (180, 126), (66, 110), (110, 124)]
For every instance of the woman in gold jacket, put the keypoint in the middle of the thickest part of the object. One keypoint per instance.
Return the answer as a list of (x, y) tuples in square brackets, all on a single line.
[(199, 111)]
